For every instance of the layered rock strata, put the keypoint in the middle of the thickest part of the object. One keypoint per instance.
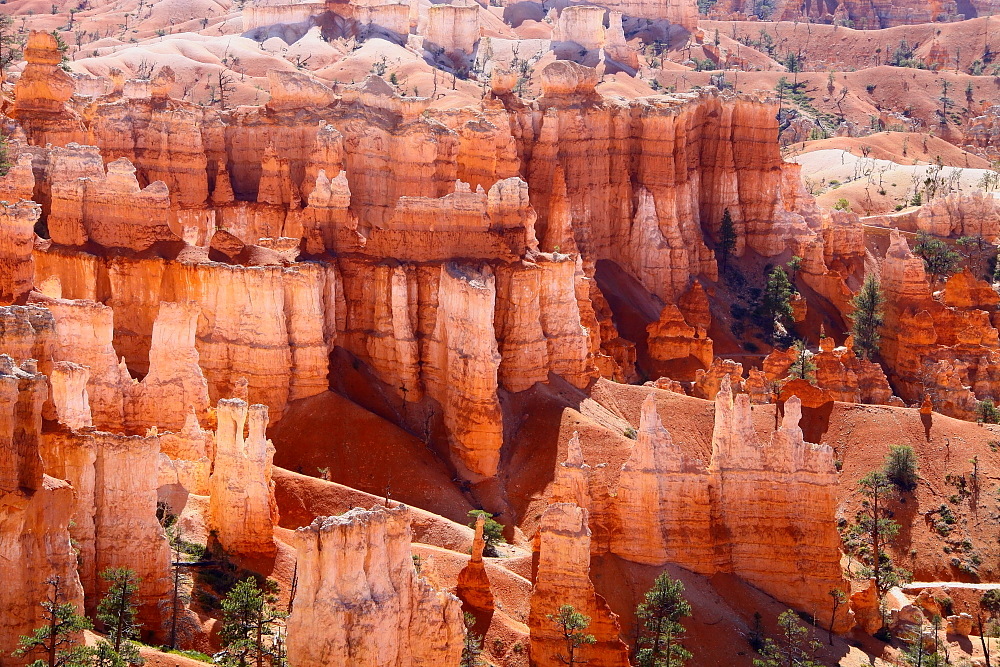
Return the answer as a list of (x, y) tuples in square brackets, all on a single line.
[(242, 510), (35, 512), (563, 578), (359, 600), (750, 492)]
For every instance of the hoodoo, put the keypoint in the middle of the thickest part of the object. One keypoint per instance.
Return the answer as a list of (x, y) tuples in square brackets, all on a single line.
[(649, 333)]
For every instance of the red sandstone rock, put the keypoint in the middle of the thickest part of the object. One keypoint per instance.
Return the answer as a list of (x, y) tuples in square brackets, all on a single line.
[(473, 586)]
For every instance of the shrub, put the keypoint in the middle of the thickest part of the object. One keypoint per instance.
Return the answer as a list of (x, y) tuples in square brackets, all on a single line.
[(987, 412), (901, 467)]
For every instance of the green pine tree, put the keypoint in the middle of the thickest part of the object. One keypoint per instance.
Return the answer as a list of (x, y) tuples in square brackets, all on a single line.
[(876, 530), (250, 626), (117, 613), (793, 648), (803, 368), (492, 531), (572, 624), (57, 642), (940, 261), (727, 240), (777, 303), (867, 318), (659, 617), (472, 647)]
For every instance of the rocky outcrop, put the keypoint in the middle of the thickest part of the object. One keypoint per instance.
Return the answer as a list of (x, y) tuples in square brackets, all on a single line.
[(84, 332), (242, 510), (359, 600), (669, 495), (473, 586), (69, 394), (946, 348), (673, 509), (290, 311), (955, 215), (110, 208), (839, 374), (563, 578), (114, 520), (35, 511), (17, 239), (174, 387), (789, 483)]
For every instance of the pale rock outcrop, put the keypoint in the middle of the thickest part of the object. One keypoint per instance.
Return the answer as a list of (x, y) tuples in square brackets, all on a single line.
[(35, 512), (583, 25), (453, 27), (563, 546), (790, 484), (126, 530), (674, 510), (110, 209), (296, 90), (658, 481), (956, 214), (84, 333), (242, 510), (17, 238), (359, 602), (463, 364), (174, 385), (69, 394)]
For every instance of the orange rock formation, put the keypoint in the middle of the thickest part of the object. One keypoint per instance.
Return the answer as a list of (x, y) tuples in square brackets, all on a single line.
[(359, 600)]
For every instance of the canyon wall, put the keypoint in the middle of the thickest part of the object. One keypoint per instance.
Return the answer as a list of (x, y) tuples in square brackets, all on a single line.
[(948, 348), (35, 512), (750, 494)]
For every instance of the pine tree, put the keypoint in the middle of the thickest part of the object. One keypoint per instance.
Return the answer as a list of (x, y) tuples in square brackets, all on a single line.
[(117, 613), (660, 630), (492, 531), (472, 647), (572, 624), (57, 640), (867, 318), (727, 240), (839, 599), (803, 368), (794, 647), (776, 305), (249, 626), (940, 261), (877, 530)]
